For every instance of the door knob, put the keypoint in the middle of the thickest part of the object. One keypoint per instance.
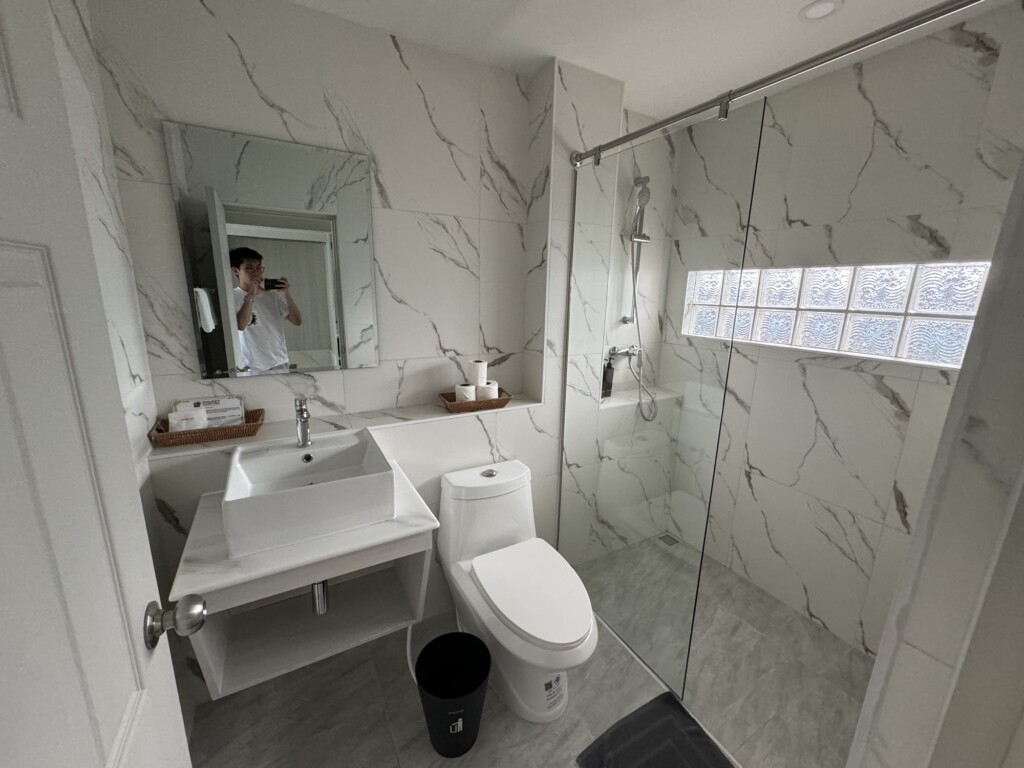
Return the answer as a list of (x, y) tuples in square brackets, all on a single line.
[(186, 618)]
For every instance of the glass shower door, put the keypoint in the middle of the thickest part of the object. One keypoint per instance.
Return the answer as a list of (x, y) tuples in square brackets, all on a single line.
[(644, 390)]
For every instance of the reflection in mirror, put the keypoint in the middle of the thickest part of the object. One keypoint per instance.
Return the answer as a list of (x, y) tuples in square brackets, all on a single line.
[(277, 242)]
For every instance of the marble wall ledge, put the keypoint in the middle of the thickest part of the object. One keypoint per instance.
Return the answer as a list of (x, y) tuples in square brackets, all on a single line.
[(282, 432)]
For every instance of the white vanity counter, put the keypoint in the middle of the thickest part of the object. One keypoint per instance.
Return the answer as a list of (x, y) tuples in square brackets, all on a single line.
[(261, 623), (206, 569)]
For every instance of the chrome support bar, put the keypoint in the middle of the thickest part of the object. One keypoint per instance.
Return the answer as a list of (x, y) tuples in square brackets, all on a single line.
[(722, 101)]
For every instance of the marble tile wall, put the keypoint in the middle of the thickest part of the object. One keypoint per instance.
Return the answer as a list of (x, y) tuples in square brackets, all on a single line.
[(823, 460), (472, 184), (462, 158)]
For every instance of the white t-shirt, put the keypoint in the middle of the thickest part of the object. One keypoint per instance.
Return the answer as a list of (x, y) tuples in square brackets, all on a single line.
[(263, 342)]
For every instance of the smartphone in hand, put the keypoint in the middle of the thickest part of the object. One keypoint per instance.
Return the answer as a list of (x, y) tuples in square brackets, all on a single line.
[(271, 284)]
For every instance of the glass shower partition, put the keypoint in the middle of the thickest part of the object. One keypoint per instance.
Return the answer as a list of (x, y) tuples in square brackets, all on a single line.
[(639, 462)]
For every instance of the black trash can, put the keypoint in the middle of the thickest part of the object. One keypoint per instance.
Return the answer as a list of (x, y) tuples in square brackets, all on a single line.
[(451, 673)]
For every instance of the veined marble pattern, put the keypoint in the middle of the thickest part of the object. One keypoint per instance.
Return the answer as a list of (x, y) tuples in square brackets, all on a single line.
[(361, 707), (589, 288), (462, 163), (814, 556), (588, 110), (831, 434)]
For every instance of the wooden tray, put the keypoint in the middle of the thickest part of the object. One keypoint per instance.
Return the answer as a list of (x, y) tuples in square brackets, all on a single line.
[(159, 435), (448, 398)]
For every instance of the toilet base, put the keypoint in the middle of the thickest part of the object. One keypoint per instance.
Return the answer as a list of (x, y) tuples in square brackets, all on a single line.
[(537, 695)]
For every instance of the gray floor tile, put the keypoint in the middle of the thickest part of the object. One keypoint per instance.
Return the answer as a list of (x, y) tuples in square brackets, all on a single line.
[(327, 714), (610, 685)]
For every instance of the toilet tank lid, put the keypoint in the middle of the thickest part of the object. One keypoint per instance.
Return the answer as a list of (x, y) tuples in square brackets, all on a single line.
[(487, 481)]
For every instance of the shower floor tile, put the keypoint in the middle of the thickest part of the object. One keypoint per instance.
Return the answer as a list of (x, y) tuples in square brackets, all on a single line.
[(772, 687), (360, 709)]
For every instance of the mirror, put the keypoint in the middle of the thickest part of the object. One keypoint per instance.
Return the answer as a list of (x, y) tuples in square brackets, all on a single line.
[(278, 249)]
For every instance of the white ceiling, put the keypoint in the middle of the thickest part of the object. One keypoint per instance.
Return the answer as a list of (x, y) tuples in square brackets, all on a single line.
[(671, 54)]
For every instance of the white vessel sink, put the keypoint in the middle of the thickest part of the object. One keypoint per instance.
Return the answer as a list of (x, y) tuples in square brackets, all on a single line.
[(283, 495)]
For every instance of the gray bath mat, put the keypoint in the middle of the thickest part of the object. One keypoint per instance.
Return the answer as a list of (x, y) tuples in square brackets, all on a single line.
[(660, 734)]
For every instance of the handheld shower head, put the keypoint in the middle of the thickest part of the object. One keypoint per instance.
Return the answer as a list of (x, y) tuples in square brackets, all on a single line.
[(643, 197), (641, 181)]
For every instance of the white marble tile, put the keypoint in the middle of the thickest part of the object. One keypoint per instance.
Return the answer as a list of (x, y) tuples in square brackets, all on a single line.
[(588, 111), (902, 153), (275, 394), (545, 507), (430, 120), (532, 435), (892, 551), (888, 368), (687, 519), (910, 714), (428, 284), (977, 234), (535, 287), (927, 419), (830, 433), (1001, 140), (540, 141), (588, 288), (814, 556), (739, 395), (718, 541), (582, 400), (557, 311), (584, 533), (468, 441), (916, 237), (502, 272), (505, 113), (715, 174)]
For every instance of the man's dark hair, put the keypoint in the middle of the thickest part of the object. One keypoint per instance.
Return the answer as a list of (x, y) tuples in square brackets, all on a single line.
[(240, 255)]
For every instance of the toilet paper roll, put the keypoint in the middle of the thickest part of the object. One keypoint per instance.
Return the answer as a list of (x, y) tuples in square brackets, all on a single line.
[(478, 372), (487, 391), (464, 393)]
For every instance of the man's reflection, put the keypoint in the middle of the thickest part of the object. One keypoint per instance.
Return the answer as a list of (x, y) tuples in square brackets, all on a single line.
[(260, 312)]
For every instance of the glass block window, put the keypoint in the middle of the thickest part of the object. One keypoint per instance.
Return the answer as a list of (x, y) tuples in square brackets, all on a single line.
[(922, 313)]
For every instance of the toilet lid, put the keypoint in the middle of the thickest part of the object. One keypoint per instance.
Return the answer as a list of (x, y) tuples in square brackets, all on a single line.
[(535, 592)]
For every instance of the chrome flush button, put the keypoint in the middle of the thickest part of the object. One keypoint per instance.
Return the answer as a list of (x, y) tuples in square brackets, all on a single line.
[(489, 473)]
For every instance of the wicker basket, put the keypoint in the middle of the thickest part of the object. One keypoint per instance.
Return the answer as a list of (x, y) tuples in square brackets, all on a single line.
[(159, 435), (448, 398)]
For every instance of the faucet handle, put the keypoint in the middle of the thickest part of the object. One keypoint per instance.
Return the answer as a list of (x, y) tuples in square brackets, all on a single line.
[(300, 405)]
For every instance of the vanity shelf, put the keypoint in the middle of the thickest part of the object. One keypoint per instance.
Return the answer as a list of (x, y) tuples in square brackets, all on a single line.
[(261, 624)]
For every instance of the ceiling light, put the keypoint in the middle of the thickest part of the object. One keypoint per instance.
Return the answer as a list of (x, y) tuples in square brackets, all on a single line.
[(820, 9)]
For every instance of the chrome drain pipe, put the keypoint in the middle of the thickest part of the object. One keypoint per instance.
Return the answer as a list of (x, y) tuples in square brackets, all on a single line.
[(320, 602)]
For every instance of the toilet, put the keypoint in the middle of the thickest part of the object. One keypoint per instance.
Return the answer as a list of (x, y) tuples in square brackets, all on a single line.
[(512, 589)]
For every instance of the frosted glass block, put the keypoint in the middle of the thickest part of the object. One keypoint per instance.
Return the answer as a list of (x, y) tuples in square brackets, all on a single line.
[(707, 287), (882, 289), (740, 287), (703, 320), (949, 289), (820, 330), (826, 288), (935, 340), (744, 324), (725, 320), (774, 326), (779, 287), (735, 323), (872, 334)]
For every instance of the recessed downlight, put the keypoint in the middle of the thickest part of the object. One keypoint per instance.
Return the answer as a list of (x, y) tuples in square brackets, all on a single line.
[(820, 9)]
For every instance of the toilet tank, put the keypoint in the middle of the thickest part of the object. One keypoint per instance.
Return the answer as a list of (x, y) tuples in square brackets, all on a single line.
[(484, 509)]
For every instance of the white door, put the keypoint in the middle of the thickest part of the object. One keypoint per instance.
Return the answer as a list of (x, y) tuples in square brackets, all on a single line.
[(77, 686)]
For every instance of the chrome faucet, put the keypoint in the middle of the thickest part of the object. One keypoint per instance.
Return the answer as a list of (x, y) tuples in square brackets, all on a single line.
[(302, 422)]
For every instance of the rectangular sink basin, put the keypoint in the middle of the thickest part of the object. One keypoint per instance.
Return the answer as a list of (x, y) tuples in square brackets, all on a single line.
[(283, 495)]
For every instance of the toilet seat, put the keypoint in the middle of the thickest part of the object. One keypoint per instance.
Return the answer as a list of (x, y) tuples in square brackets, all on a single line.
[(535, 593)]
